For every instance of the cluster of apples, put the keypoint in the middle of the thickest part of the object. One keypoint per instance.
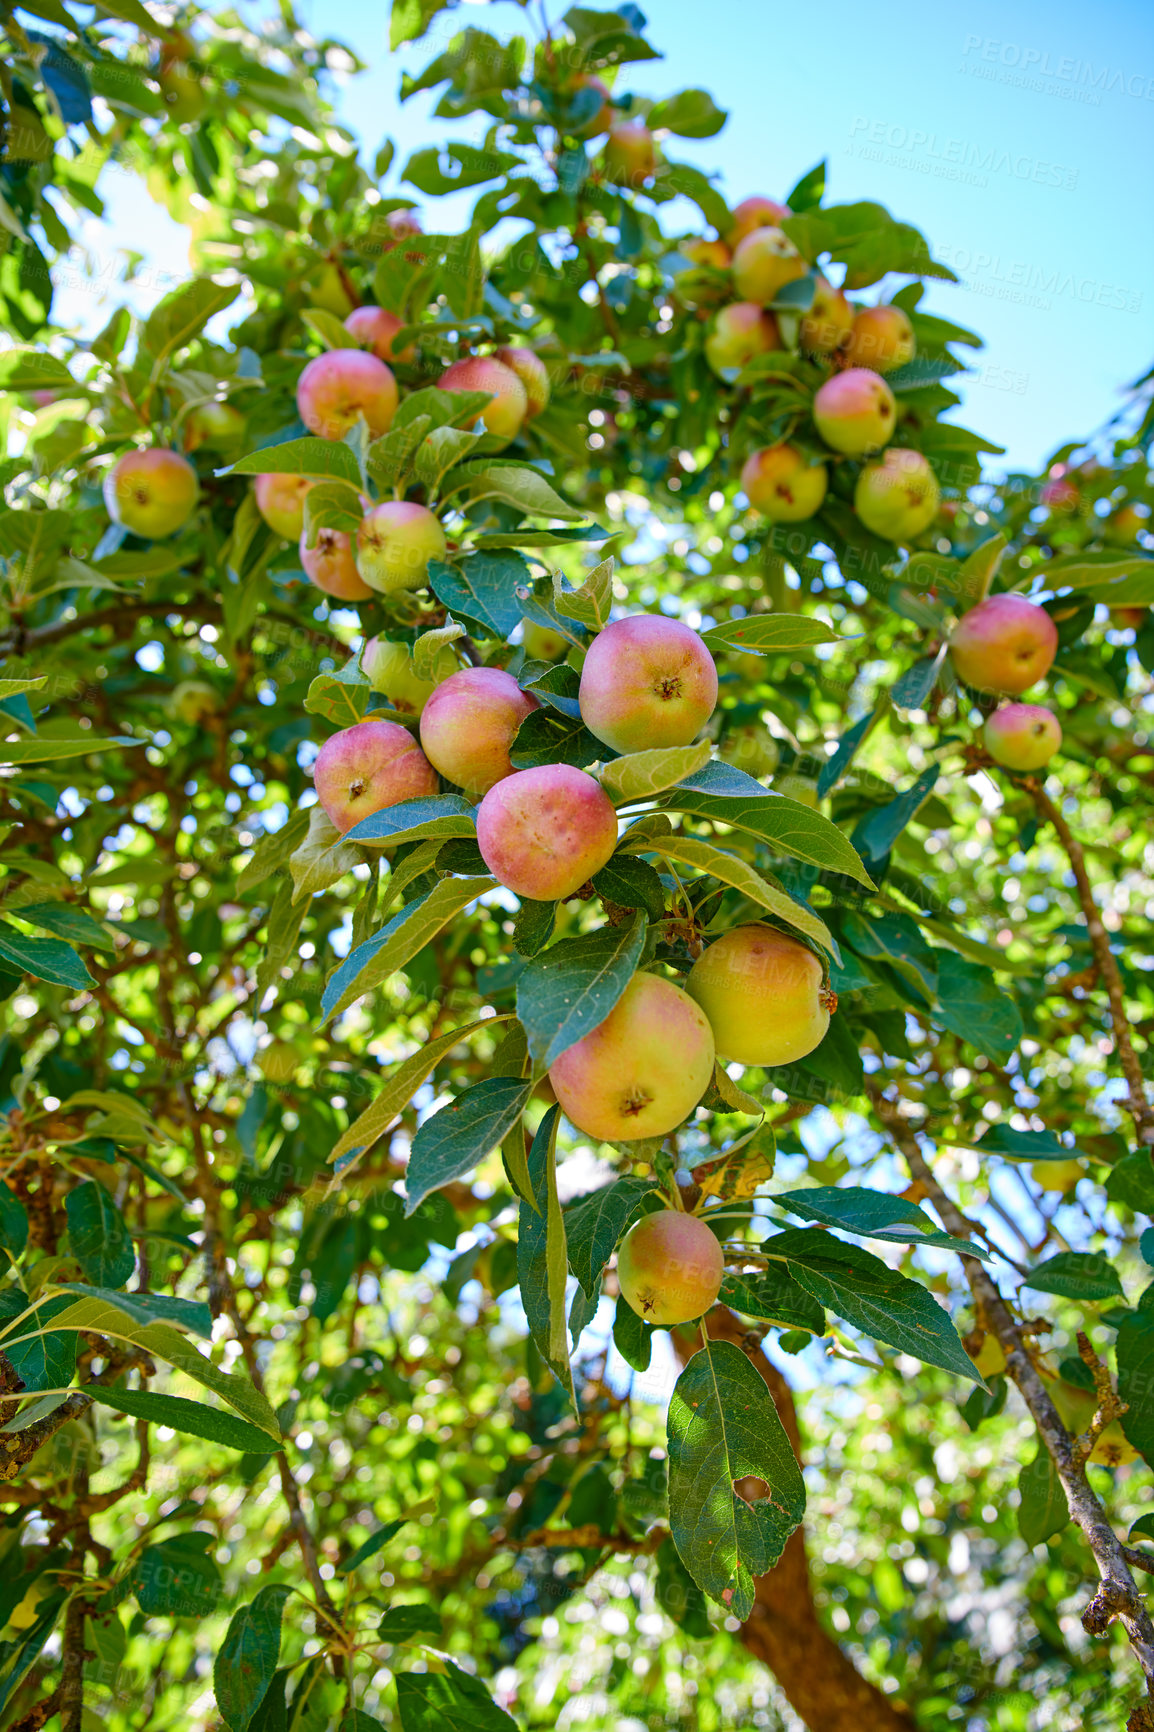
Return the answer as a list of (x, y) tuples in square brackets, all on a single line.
[(897, 494), (1004, 645)]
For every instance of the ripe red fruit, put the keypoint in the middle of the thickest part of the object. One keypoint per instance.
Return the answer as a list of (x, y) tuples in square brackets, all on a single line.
[(755, 213), (761, 991), (630, 154), (855, 412), (780, 483), (336, 389), (367, 767), (374, 328), (670, 1268), (1004, 644), (508, 409), (881, 338), (1022, 737), (740, 331), (531, 371), (329, 563), (543, 832), (469, 724), (647, 682)]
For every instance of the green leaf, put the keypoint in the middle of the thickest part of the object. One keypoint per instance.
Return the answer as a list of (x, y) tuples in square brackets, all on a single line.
[(399, 940), (42, 1360), (247, 1658), (873, 1297), (533, 927), (329, 328), (809, 191), (191, 1314), (766, 634), (402, 1623), (176, 1578), (690, 114), (632, 1336), (273, 851), (1085, 1275), (594, 1225), (341, 702), (591, 604), (1131, 1182), (448, 1701), (66, 922), (723, 1426), (370, 1547), (18, 1657), (729, 869), (13, 1221), (541, 1256), (183, 314), (457, 1138), (875, 835), (631, 883), (1043, 1511), (641, 775), (44, 958), (873, 1214), (98, 1236), (50, 748), (775, 1297), (192, 1417), (482, 589), (323, 858), (315, 457), (526, 489), (412, 820), (35, 369), (1134, 1351), (568, 991), (548, 738), (973, 1006)]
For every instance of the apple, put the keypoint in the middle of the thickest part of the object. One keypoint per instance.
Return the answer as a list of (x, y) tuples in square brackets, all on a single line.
[(329, 563), (1004, 644), (1124, 525), (670, 1267), (755, 213), (543, 833), (1060, 494), (740, 331), (1022, 736), (826, 327), (630, 156), (531, 371), (469, 724), (881, 338), (180, 87), (647, 681), (370, 766), (1076, 1409), (395, 543), (1130, 616), (388, 667), (1060, 1176), (782, 484), (699, 251), (220, 426), (855, 412), (803, 789), (328, 290), (505, 415), (763, 263), (762, 992), (402, 225), (152, 493), (278, 1061), (990, 1359), (336, 389), (374, 329), (642, 1071), (542, 644), (195, 702), (604, 117), (751, 748), (898, 496), (280, 499)]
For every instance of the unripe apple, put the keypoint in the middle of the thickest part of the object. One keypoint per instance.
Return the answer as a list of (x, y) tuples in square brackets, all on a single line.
[(670, 1268), (374, 328), (395, 543), (220, 426), (826, 327), (469, 724), (881, 338), (1124, 525), (702, 252), (370, 766), (326, 289), (280, 499), (533, 374), (181, 91), (1059, 1176), (506, 413), (642, 1071), (855, 412), (740, 331), (605, 116), (630, 156), (1003, 645), (544, 832), (152, 493), (1060, 494), (329, 563), (898, 496), (647, 681), (542, 644), (803, 789), (762, 994), (763, 263), (1076, 1409), (195, 701), (388, 667), (755, 213), (336, 389), (751, 748), (782, 484), (1022, 736)]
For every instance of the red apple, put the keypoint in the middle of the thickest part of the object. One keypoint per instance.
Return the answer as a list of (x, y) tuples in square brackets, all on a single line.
[(855, 412), (740, 331), (395, 543), (881, 338), (755, 213), (469, 724), (329, 563), (670, 1268), (762, 993), (336, 389), (544, 832), (532, 372), (1022, 736), (646, 682), (505, 415), (370, 766), (1004, 644), (374, 328)]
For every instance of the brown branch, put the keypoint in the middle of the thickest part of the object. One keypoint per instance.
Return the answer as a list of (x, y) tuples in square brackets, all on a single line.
[(1110, 1405), (72, 1674)]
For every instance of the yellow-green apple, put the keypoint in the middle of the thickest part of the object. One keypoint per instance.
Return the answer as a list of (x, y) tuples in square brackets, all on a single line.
[(1059, 1176), (543, 644), (395, 543), (751, 748), (367, 767), (329, 563), (374, 329), (533, 374), (195, 702), (604, 117), (327, 289), (763, 263), (762, 993), (388, 667), (881, 338), (700, 251), (280, 499), (642, 1071), (647, 681), (336, 389), (898, 496), (544, 832), (826, 327), (755, 213), (782, 484), (180, 87), (740, 331), (991, 1359), (630, 156), (152, 493), (1124, 525), (1022, 736), (1076, 1409), (670, 1268), (803, 789), (855, 412), (220, 426), (505, 414), (469, 724), (1003, 645)]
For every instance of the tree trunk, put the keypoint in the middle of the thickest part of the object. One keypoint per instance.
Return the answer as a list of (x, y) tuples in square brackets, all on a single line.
[(783, 1630)]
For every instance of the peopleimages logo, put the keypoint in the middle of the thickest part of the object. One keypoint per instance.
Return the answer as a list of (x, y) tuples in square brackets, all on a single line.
[(990, 57), (953, 158)]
